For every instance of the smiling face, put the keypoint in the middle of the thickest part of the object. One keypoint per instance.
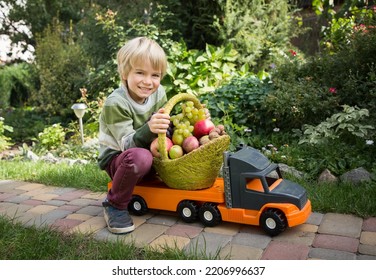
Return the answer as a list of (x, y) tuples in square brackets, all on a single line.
[(142, 80), (142, 64)]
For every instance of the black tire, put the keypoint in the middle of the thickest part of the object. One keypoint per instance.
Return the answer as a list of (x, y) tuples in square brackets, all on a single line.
[(209, 214), (137, 206), (273, 221), (188, 211)]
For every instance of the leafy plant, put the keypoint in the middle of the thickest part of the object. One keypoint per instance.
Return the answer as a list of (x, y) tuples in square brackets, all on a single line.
[(344, 125), (73, 150), (5, 141), (51, 137), (312, 90), (241, 101), (338, 144), (298, 101), (16, 84), (343, 21), (199, 72), (27, 123)]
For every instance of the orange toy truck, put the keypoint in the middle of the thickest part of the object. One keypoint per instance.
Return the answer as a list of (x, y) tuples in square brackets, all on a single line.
[(252, 191)]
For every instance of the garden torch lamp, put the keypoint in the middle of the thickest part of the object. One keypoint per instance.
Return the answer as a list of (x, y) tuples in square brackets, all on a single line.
[(79, 110)]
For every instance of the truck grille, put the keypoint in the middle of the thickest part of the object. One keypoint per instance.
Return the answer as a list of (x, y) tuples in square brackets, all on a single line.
[(303, 200)]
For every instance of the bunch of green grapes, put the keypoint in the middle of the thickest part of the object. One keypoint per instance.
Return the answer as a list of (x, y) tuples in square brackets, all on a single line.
[(192, 113), (182, 128), (183, 122)]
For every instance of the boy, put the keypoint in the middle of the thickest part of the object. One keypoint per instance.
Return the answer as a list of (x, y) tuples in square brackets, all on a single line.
[(128, 126)]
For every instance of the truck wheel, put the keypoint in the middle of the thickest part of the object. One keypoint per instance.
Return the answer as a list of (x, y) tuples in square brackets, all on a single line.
[(209, 214), (137, 206), (273, 221), (188, 211)]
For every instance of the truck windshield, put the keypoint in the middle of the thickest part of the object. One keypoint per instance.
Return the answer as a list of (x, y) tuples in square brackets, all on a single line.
[(272, 180)]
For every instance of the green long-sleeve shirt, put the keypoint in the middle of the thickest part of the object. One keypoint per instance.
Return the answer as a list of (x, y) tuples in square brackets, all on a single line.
[(123, 123)]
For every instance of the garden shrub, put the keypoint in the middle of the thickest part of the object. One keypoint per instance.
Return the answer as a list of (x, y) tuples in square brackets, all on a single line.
[(258, 32), (319, 86), (295, 102), (239, 106), (5, 141), (241, 100), (343, 21), (27, 123), (62, 69), (51, 137), (346, 125), (16, 82), (195, 21)]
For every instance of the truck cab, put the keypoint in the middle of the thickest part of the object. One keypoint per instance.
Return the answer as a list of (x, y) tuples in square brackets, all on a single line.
[(252, 182)]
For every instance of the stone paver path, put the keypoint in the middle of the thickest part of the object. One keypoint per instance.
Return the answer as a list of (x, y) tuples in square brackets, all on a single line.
[(324, 236)]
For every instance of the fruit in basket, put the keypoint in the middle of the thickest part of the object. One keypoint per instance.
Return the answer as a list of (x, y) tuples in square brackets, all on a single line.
[(213, 134), (203, 127), (190, 143), (191, 113), (204, 139), (176, 151), (177, 138), (199, 168), (154, 147), (221, 127)]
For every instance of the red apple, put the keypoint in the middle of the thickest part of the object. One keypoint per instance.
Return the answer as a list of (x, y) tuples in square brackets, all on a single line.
[(190, 143), (154, 147), (176, 151), (202, 128)]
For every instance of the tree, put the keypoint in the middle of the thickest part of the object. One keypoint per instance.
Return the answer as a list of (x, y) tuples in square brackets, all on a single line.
[(25, 19), (22, 21), (259, 32), (62, 68)]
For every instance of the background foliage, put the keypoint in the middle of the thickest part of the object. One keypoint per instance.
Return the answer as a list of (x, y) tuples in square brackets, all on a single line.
[(269, 93)]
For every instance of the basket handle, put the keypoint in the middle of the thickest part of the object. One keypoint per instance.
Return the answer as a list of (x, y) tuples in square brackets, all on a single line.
[(168, 107)]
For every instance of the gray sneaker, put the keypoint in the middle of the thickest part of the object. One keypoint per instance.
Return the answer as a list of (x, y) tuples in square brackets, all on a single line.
[(118, 221)]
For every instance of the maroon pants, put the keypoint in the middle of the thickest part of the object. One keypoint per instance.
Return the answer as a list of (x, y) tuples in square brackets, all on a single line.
[(126, 170)]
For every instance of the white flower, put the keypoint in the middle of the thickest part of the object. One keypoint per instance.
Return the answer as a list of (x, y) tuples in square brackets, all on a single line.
[(369, 142), (276, 129), (247, 130)]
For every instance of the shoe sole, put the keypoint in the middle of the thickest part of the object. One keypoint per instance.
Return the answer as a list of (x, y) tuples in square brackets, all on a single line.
[(117, 230)]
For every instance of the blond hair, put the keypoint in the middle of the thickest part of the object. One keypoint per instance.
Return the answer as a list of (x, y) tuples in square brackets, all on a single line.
[(140, 49)]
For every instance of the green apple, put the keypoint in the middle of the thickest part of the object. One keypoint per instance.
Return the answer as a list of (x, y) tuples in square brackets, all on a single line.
[(176, 151)]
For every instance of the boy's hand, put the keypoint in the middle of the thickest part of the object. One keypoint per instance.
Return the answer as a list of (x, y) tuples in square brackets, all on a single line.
[(159, 122)]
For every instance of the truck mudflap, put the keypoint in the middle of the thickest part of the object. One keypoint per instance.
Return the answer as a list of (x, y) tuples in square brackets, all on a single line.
[(293, 215)]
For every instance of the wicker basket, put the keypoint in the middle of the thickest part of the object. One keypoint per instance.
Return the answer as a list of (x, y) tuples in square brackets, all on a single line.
[(197, 169)]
